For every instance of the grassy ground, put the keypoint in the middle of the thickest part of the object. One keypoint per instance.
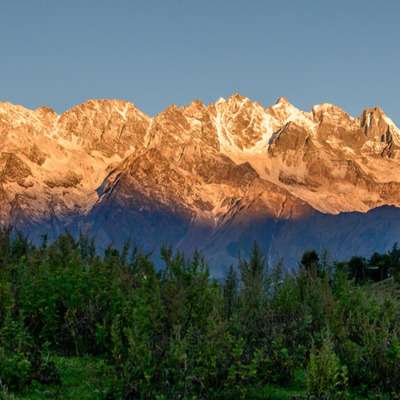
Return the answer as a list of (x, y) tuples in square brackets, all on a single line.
[(277, 393), (81, 379)]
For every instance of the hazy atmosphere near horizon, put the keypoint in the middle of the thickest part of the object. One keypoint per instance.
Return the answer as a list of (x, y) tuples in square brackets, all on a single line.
[(199, 200), (59, 53)]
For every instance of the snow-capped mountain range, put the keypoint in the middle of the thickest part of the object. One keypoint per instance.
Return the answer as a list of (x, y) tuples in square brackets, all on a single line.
[(210, 177)]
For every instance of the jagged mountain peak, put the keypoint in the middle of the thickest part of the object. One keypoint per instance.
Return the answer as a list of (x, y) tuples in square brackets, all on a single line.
[(241, 124), (17, 115), (108, 126), (374, 110), (237, 97), (374, 116), (236, 104), (376, 124), (182, 126), (93, 106), (227, 171), (328, 108), (329, 115), (45, 110), (193, 108), (196, 104), (283, 112), (282, 101)]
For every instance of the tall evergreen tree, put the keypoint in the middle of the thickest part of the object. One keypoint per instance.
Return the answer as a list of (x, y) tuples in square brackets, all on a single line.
[(230, 292), (253, 294)]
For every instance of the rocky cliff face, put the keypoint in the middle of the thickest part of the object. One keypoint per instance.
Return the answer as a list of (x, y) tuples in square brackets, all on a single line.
[(213, 177)]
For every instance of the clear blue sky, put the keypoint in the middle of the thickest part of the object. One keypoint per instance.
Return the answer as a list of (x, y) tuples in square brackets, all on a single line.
[(155, 53)]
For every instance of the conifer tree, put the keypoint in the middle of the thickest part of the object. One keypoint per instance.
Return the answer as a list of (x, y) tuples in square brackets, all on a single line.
[(230, 292)]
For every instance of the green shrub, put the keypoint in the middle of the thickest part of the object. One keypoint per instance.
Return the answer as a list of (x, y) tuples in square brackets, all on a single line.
[(15, 370), (326, 378)]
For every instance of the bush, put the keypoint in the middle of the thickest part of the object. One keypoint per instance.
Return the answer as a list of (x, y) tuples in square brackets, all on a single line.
[(326, 378), (15, 370)]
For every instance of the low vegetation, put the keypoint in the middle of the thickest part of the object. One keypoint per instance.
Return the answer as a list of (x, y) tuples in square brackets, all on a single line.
[(76, 325)]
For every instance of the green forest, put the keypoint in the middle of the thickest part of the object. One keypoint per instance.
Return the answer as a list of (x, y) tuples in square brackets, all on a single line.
[(78, 325)]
